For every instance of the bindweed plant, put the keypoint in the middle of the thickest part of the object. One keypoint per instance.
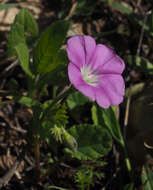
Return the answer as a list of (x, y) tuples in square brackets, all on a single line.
[(94, 70)]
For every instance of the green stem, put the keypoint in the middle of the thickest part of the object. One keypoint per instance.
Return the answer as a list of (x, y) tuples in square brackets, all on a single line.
[(122, 142), (127, 161)]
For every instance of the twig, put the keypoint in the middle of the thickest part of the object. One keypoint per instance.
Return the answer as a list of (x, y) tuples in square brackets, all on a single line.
[(13, 170), (66, 88), (142, 33), (11, 124), (13, 64), (18, 127), (19, 130), (75, 3), (126, 118), (7, 177), (61, 95)]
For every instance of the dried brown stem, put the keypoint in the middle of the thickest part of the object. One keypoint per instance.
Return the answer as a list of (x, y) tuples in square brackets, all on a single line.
[(7, 177), (74, 5)]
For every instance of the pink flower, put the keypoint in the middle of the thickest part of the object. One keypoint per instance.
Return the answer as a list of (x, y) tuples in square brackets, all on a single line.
[(95, 70)]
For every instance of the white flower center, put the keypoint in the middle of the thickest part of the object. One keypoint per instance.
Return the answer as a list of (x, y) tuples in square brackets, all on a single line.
[(89, 76)]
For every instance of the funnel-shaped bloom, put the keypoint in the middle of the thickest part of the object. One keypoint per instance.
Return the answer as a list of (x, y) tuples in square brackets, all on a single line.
[(95, 70)]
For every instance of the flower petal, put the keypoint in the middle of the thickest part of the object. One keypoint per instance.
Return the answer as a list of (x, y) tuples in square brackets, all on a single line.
[(87, 90), (80, 49), (90, 46), (74, 74), (114, 87), (114, 66), (76, 79), (116, 83), (102, 98), (102, 55)]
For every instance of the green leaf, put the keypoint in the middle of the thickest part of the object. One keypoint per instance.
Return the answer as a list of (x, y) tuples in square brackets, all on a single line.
[(69, 141), (23, 30), (60, 118), (93, 141), (57, 133), (130, 60), (58, 76), (59, 60), (15, 37), (147, 178), (111, 122), (144, 65), (8, 5), (107, 118), (44, 131), (23, 55), (97, 115), (27, 101), (122, 8), (26, 19), (135, 89), (46, 51), (57, 113), (85, 7), (76, 99), (129, 186)]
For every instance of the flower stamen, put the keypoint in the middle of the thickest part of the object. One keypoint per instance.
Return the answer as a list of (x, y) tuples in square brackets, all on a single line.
[(89, 76)]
